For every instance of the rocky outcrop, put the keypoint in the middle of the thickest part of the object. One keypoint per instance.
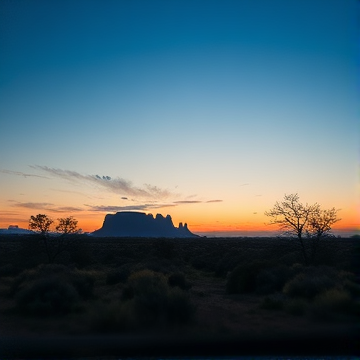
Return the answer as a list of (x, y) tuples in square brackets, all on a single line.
[(137, 224)]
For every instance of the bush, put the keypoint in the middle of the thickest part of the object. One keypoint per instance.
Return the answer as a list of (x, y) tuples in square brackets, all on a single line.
[(330, 302), (272, 279), (243, 278), (81, 281), (310, 283), (47, 296), (180, 310), (154, 303)]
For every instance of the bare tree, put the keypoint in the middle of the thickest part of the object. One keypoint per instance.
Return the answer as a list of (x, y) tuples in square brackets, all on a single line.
[(67, 225), (54, 245), (41, 223), (293, 218), (319, 226)]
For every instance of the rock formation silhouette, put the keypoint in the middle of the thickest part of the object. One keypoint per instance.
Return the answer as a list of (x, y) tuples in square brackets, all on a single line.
[(138, 224)]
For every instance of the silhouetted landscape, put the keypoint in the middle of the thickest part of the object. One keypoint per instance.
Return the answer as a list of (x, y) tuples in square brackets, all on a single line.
[(179, 179), (192, 292)]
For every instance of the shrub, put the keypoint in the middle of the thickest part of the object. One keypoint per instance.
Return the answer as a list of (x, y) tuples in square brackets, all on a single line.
[(272, 279), (308, 285), (178, 279), (180, 310), (47, 296), (243, 278), (154, 303), (150, 295), (81, 281), (330, 302)]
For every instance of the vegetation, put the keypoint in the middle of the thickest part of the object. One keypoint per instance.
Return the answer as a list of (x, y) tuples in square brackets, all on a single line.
[(54, 246), (40, 223), (67, 225), (303, 220), (199, 285)]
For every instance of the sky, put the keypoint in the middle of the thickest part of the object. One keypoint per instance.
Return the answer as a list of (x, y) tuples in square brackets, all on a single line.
[(210, 111)]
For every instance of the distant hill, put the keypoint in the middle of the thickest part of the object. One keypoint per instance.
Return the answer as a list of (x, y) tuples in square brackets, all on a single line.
[(15, 230), (138, 224)]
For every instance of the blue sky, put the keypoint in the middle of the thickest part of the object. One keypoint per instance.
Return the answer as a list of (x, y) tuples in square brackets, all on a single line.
[(196, 98)]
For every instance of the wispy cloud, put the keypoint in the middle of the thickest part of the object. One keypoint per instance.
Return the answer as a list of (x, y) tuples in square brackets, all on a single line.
[(20, 173), (187, 202), (140, 207), (46, 206), (116, 185), (196, 201), (33, 205)]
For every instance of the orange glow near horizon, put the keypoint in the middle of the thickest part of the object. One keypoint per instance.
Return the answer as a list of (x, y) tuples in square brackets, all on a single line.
[(90, 222)]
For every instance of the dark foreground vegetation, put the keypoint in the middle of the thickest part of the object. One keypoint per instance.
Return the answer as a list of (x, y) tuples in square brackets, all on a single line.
[(224, 291)]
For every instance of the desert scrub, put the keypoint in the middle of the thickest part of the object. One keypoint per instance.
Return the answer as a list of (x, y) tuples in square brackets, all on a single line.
[(82, 282), (311, 282), (327, 305), (154, 303), (47, 296), (272, 279), (243, 278)]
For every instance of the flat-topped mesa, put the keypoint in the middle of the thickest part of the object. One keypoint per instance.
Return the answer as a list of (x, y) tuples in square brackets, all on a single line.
[(138, 224)]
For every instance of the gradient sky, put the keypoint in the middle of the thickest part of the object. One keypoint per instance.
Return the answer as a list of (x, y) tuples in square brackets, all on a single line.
[(209, 111)]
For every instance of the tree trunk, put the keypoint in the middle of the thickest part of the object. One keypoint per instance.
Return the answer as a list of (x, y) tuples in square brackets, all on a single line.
[(303, 250)]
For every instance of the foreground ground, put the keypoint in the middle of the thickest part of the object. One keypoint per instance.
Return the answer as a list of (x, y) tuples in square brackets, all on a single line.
[(245, 288)]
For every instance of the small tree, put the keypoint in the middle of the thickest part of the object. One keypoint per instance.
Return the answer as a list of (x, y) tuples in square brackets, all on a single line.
[(67, 225), (53, 245), (292, 217), (320, 224), (41, 223), (302, 220)]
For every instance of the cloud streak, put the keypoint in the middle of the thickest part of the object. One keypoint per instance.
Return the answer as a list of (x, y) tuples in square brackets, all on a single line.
[(46, 206), (115, 185), (140, 207), (20, 173)]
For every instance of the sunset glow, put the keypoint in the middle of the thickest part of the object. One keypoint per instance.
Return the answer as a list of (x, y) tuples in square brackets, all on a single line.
[(208, 112)]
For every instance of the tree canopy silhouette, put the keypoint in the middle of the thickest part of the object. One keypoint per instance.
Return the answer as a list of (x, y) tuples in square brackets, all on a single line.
[(41, 223), (302, 220), (54, 245), (67, 225)]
